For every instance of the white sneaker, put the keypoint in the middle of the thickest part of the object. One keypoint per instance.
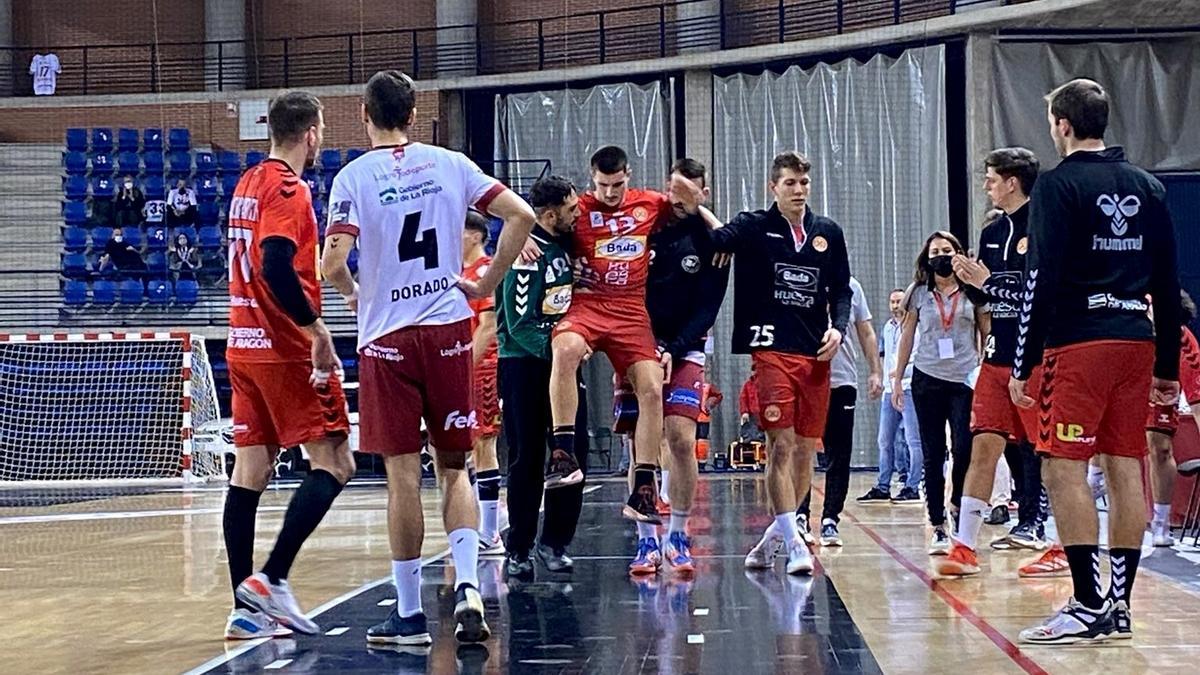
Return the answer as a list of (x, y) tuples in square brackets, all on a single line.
[(277, 601), (939, 544), (245, 624), (1164, 539), (805, 533), (800, 559), (762, 556), (829, 533), (1072, 624), (491, 549)]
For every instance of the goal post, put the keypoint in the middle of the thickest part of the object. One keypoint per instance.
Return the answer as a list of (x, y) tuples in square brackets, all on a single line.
[(105, 407)]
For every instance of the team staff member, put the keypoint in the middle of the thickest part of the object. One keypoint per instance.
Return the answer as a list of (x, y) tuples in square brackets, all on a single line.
[(530, 301), (1100, 239)]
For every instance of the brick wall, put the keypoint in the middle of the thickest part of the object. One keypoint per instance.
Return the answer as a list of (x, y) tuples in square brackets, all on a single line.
[(210, 122)]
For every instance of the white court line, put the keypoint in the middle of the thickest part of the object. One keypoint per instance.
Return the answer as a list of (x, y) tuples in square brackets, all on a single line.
[(333, 632), (119, 515), (700, 611), (386, 602), (277, 664), (696, 639)]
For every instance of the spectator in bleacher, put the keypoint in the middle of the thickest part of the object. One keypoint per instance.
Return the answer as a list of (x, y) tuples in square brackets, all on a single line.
[(130, 202), (181, 205), (184, 259), (122, 258)]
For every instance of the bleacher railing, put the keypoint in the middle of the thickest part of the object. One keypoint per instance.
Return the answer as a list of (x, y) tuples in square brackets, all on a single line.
[(590, 38)]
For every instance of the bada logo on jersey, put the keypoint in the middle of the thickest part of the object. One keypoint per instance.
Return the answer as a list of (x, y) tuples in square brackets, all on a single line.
[(621, 248), (796, 278), (557, 300)]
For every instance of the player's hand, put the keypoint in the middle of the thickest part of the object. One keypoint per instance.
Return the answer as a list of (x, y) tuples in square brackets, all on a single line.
[(829, 345), (685, 192), (472, 288), (971, 272), (1164, 392), (722, 260), (666, 361), (1016, 391), (530, 252), (897, 395), (324, 357), (874, 386)]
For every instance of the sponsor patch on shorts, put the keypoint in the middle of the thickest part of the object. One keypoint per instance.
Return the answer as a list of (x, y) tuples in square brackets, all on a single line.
[(681, 396)]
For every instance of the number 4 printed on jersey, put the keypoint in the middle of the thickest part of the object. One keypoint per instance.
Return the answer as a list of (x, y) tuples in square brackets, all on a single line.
[(412, 246)]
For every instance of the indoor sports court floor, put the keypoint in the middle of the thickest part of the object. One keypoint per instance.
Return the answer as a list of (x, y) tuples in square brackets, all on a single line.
[(134, 581)]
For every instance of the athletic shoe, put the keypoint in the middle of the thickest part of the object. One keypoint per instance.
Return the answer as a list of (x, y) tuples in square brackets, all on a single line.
[(648, 558), (805, 533), (762, 556), (875, 494), (245, 624), (678, 553), (1053, 563), (555, 559), (907, 496), (470, 625), (829, 533), (518, 565), (1164, 539), (641, 506), (397, 630), (939, 544), (664, 509), (564, 471), (1122, 621), (998, 516), (1073, 624), (277, 601), (800, 559), (901, 479), (960, 562), (1027, 536), (491, 549)]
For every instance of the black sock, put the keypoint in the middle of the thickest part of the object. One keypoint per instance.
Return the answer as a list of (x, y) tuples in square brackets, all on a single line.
[(241, 510), (308, 506), (1124, 569), (643, 474), (489, 485), (1085, 574), (564, 439)]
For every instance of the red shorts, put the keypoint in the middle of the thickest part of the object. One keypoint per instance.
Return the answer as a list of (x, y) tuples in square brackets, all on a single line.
[(1093, 399), (487, 401), (415, 372), (274, 404), (1164, 419), (619, 327), (993, 411), (681, 395), (793, 392)]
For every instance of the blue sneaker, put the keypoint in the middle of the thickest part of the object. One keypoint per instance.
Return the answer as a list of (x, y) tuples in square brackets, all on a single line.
[(648, 559), (679, 554), (397, 630)]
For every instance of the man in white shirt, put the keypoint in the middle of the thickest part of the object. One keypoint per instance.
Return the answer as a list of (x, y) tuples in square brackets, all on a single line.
[(181, 205), (405, 205), (45, 69)]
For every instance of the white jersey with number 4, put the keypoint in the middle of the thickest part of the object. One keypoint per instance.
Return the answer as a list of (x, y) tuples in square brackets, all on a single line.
[(407, 205)]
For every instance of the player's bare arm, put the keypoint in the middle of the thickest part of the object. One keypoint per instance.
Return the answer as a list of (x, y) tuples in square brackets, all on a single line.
[(335, 267), (868, 341), (485, 335), (518, 223)]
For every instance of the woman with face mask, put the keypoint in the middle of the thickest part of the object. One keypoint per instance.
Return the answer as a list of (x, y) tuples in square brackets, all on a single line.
[(184, 259), (943, 327)]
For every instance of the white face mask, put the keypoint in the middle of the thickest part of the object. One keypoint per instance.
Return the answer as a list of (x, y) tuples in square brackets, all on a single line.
[(117, 238), (128, 184)]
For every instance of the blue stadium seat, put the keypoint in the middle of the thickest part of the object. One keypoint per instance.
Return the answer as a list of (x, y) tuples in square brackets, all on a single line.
[(156, 262), (353, 154), (331, 161), (153, 162), (187, 292), (103, 187), (229, 162), (74, 265), (102, 140), (77, 140), (152, 140), (100, 237), (127, 140), (206, 189), (75, 293), (102, 164), (76, 188), (154, 187), (133, 236), (229, 183), (179, 140), (74, 239), (132, 292), (129, 163), (329, 182), (181, 163), (188, 230), (209, 237), (156, 238), (208, 213), (314, 182), (75, 213), (254, 158), (104, 292), (352, 260), (75, 163), (158, 291), (206, 164), (319, 211)]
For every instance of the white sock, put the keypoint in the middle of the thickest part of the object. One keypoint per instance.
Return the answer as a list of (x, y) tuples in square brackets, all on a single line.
[(678, 522), (785, 526), (489, 520), (970, 519), (664, 490), (1162, 518), (464, 550), (406, 574), (647, 531)]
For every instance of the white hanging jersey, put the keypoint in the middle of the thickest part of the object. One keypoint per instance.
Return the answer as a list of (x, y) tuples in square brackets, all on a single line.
[(45, 69), (407, 205)]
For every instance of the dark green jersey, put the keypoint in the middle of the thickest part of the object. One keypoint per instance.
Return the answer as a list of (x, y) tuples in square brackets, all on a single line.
[(532, 298)]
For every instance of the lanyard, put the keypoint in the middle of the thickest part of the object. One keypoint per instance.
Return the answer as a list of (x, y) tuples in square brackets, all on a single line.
[(947, 319)]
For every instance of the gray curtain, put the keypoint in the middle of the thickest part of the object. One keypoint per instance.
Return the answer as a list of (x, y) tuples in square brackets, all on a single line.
[(875, 133), (1153, 89)]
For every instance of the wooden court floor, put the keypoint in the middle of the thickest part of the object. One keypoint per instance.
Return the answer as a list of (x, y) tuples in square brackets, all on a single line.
[(137, 584)]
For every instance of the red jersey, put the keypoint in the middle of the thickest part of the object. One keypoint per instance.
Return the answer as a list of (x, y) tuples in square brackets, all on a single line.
[(475, 272), (748, 400), (611, 245), (270, 201), (1189, 367)]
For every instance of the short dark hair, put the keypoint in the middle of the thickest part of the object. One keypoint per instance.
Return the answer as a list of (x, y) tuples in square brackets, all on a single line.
[(292, 114), (1015, 162), (1188, 308), (390, 98), (789, 159), (895, 290), (610, 159), (550, 192), (478, 222), (691, 169), (1084, 104)]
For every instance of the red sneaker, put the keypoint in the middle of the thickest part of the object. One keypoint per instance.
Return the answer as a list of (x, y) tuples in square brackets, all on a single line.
[(960, 562), (1053, 563)]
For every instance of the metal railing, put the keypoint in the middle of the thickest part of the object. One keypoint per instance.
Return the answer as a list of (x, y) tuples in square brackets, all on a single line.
[(590, 38)]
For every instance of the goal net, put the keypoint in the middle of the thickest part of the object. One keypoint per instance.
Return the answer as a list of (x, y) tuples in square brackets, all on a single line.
[(105, 406)]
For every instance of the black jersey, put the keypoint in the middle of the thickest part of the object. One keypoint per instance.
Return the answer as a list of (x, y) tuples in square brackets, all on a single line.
[(1100, 240), (1002, 247), (789, 285), (684, 290)]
